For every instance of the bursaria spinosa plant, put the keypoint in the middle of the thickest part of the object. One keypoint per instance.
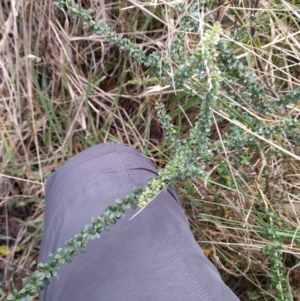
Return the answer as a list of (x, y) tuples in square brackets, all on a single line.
[(213, 75)]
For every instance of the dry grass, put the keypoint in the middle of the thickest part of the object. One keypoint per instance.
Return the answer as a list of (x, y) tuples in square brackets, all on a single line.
[(64, 89)]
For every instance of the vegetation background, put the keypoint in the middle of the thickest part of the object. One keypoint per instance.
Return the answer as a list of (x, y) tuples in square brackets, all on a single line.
[(64, 88)]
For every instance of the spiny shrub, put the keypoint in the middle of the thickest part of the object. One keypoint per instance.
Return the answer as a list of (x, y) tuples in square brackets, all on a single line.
[(226, 90)]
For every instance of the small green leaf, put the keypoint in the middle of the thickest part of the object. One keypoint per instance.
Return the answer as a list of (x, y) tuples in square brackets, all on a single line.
[(4, 250)]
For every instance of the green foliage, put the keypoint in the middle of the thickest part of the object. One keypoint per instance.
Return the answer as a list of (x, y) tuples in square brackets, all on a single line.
[(75, 246), (213, 74), (274, 250)]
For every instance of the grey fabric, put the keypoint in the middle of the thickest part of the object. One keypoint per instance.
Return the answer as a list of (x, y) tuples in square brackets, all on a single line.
[(151, 257)]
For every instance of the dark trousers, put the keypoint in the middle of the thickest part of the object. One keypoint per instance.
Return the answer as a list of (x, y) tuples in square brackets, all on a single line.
[(154, 256)]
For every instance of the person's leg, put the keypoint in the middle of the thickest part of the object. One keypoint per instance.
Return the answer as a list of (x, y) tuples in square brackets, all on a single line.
[(151, 257)]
